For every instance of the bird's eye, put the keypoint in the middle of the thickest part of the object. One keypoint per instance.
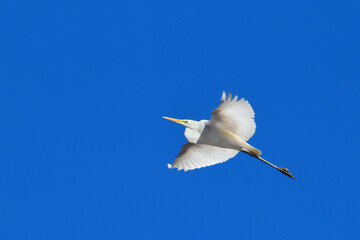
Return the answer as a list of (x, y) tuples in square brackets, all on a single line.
[(186, 122)]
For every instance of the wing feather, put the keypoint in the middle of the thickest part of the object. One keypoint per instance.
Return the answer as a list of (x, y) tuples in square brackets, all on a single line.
[(194, 156), (235, 116)]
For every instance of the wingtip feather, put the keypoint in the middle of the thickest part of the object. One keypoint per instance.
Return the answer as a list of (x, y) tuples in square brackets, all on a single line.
[(228, 97), (223, 97)]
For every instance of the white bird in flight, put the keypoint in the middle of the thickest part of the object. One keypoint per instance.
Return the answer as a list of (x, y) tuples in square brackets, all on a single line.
[(211, 142)]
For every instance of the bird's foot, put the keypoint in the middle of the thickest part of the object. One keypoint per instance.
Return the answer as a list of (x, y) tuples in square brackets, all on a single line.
[(286, 172)]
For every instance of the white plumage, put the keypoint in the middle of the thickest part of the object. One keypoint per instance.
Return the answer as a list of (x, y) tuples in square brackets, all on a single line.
[(210, 142), (236, 116), (194, 156)]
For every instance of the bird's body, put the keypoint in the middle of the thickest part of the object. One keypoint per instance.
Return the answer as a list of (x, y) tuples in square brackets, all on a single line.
[(220, 138)]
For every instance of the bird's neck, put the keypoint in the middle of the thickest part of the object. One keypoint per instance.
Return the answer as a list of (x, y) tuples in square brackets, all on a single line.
[(193, 134)]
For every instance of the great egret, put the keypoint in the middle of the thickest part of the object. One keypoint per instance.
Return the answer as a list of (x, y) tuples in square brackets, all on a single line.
[(215, 141)]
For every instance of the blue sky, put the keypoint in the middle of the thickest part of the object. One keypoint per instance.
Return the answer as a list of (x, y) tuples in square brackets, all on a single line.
[(84, 148)]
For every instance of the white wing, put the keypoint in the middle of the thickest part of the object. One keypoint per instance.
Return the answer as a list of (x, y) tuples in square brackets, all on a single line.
[(194, 156), (235, 116)]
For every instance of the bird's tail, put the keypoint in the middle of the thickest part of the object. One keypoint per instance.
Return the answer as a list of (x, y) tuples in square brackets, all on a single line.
[(243, 146), (252, 151)]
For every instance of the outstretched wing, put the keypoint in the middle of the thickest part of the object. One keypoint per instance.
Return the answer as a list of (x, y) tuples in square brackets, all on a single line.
[(194, 156), (235, 116)]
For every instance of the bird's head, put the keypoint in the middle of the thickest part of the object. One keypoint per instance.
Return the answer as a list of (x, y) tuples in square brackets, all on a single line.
[(185, 122)]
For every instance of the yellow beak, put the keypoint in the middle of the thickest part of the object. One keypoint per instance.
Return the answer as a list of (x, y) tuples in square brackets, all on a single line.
[(173, 119)]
